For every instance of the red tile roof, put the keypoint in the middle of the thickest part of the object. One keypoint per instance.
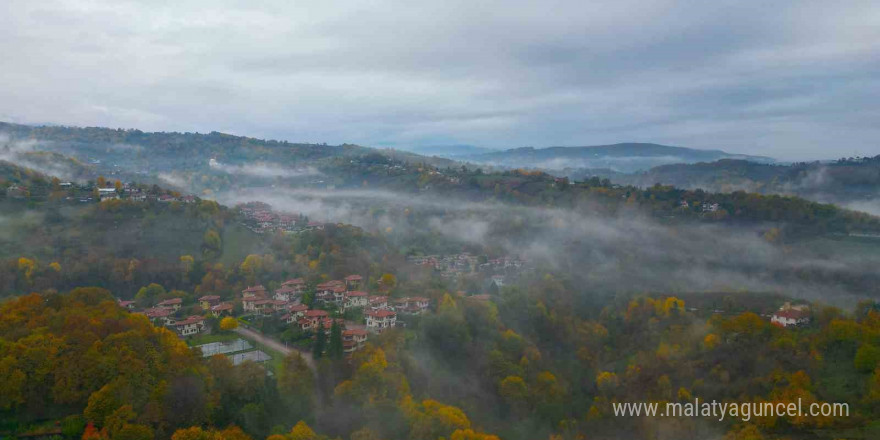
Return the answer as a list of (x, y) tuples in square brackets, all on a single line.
[(381, 313), (171, 302), (210, 298), (353, 278)]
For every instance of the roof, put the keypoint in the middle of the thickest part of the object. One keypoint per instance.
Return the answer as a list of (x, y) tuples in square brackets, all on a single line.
[(189, 321), (791, 314), (353, 278), (298, 308), (258, 288), (125, 303), (381, 313), (156, 313), (294, 281), (355, 332), (357, 293), (171, 301), (223, 306), (316, 313), (209, 298)]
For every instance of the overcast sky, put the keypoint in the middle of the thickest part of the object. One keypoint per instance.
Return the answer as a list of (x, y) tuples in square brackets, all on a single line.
[(790, 79)]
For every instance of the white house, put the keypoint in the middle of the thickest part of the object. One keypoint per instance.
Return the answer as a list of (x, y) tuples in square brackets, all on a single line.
[(379, 320)]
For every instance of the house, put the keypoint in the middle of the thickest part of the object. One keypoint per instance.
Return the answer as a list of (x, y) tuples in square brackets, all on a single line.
[(129, 305), (297, 284), (331, 291), (353, 282), (791, 315), (412, 305), (259, 306), (159, 315), (208, 301), (172, 304), (379, 320), (711, 207), (311, 318), (107, 193), (353, 340), (498, 280), (356, 299), (295, 313), (16, 192), (378, 302), (291, 290), (190, 326), (254, 292), (221, 309), (278, 305)]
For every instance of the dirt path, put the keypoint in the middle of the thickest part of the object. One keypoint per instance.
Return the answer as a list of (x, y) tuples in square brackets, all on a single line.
[(275, 345)]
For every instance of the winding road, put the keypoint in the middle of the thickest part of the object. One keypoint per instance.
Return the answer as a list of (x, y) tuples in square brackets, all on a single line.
[(275, 345)]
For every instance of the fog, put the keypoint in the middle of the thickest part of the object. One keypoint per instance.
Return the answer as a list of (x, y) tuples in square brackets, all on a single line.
[(265, 170), (626, 252)]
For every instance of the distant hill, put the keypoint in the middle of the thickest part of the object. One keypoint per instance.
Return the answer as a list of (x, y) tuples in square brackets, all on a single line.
[(624, 157), (448, 151)]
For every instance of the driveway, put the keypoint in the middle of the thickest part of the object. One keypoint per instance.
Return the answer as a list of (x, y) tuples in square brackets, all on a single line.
[(275, 345)]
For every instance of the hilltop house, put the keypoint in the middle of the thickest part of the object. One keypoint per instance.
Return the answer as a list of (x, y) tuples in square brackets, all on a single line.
[(172, 304), (311, 318), (254, 292), (208, 301), (379, 320), (159, 315)]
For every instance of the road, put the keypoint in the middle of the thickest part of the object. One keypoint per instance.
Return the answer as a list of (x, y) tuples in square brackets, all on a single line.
[(275, 345)]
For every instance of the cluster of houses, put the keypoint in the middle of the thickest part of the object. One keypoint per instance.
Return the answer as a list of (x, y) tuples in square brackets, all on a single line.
[(453, 266), (260, 218), (380, 312)]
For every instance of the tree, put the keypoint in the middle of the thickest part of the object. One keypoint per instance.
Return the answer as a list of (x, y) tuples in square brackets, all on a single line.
[(320, 341), (335, 350), (228, 324)]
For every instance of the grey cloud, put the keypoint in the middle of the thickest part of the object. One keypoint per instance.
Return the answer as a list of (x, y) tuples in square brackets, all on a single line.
[(794, 80)]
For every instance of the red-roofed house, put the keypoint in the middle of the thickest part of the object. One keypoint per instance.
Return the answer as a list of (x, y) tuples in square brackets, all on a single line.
[(790, 317), (379, 320), (415, 305), (208, 301), (353, 282), (172, 304), (254, 292), (295, 313), (378, 302), (353, 340), (221, 309), (159, 315), (190, 326), (126, 304)]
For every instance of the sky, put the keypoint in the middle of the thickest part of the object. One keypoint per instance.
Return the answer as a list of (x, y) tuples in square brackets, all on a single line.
[(795, 80)]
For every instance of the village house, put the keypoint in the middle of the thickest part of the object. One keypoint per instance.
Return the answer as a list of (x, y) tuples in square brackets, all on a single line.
[(208, 301), (353, 340), (297, 284), (498, 281), (254, 292), (295, 313), (311, 318), (160, 316), (221, 309), (356, 299), (353, 282), (128, 305), (379, 320), (172, 304), (791, 315), (278, 305), (412, 305), (259, 306), (378, 302), (190, 326), (331, 291)]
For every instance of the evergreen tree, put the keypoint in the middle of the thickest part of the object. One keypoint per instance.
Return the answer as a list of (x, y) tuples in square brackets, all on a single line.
[(335, 350), (320, 341)]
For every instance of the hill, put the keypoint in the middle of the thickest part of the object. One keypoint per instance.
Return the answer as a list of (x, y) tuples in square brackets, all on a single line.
[(623, 157)]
